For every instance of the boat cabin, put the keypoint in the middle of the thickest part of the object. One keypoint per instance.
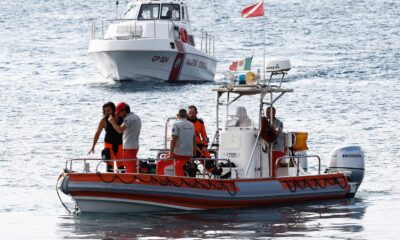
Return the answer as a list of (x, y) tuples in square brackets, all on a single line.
[(156, 10), (151, 20)]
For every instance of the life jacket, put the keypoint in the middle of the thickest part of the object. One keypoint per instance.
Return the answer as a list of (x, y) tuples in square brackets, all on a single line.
[(200, 131), (267, 131), (112, 136)]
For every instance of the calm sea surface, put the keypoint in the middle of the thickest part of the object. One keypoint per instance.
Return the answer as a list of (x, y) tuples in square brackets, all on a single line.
[(345, 57)]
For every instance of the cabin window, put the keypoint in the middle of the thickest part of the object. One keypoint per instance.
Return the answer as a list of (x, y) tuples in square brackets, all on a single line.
[(149, 11), (131, 11), (170, 11), (183, 13)]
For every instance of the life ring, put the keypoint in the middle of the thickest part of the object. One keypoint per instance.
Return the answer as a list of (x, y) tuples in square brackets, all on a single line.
[(183, 34)]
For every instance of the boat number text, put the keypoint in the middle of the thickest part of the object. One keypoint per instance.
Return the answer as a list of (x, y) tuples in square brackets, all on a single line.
[(161, 59), (195, 63), (232, 155)]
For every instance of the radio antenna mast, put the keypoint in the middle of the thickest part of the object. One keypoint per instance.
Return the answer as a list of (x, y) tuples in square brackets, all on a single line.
[(116, 8)]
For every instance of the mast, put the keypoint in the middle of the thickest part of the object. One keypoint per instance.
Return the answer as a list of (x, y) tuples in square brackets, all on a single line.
[(264, 25)]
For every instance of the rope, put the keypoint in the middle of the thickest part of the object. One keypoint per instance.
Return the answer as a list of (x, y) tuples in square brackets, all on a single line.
[(181, 182), (320, 185), (310, 185), (304, 184), (290, 188), (58, 194), (295, 184), (313, 184)]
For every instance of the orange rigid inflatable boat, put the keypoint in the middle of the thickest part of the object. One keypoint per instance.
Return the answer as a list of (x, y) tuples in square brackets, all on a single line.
[(247, 176), (124, 193)]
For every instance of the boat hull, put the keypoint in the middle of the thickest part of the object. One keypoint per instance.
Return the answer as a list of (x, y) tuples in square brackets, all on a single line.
[(146, 60), (134, 193)]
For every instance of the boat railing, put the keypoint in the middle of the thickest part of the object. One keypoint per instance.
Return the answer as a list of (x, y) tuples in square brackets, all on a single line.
[(69, 166), (167, 139), (297, 162), (134, 29), (207, 43), (166, 131)]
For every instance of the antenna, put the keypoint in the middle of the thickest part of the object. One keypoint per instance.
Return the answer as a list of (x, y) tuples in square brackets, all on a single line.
[(116, 9)]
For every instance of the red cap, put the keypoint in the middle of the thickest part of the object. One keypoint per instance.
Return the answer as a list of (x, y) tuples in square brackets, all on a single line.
[(120, 107)]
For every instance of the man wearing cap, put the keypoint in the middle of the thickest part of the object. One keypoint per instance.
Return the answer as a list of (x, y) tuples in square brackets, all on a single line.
[(130, 129), (183, 145)]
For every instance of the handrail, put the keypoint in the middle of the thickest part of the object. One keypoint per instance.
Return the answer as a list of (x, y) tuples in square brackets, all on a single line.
[(138, 160), (100, 160), (134, 36), (133, 159), (166, 131), (298, 162), (209, 43)]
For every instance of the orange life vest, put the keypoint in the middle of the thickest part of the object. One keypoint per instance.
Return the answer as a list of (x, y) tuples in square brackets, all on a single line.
[(200, 131)]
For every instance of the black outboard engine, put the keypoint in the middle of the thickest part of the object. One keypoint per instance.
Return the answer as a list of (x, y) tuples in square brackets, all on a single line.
[(349, 160)]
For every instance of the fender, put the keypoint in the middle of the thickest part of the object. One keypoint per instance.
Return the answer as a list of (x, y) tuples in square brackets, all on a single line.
[(184, 35)]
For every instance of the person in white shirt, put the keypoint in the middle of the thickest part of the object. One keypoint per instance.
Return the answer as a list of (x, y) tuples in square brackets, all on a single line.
[(183, 145), (130, 129)]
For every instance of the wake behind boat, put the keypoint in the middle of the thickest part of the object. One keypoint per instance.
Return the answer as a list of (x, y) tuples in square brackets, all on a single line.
[(249, 170), (152, 41)]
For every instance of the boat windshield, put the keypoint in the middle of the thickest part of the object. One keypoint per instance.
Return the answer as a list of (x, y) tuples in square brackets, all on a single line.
[(131, 11), (170, 11), (149, 12), (241, 119)]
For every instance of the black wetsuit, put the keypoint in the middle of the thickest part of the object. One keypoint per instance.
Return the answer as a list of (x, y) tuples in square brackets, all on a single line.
[(112, 136)]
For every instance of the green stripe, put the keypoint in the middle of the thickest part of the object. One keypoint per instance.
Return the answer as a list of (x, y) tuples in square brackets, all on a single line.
[(247, 63)]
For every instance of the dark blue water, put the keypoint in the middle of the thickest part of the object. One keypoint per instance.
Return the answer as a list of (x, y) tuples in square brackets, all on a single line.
[(345, 57)]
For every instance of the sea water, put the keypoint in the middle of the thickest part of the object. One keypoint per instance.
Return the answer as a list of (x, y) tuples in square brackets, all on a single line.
[(345, 57)]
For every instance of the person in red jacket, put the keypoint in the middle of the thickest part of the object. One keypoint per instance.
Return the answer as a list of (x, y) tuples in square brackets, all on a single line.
[(201, 140), (200, 133)]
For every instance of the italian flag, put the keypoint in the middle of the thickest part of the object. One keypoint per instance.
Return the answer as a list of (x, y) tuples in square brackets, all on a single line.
[(241, 65)]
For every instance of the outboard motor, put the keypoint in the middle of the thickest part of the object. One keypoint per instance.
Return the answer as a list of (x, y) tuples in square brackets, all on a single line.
[(350, 160)]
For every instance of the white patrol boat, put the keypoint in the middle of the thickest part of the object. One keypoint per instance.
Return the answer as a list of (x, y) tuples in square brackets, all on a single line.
[(152, 41)]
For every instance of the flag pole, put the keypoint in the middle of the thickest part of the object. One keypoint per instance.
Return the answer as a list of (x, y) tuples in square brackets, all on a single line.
[(264, 46)]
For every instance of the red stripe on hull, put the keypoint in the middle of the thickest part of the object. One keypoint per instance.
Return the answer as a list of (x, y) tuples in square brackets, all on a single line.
[(155, 180), (212, 184), (178, 62)]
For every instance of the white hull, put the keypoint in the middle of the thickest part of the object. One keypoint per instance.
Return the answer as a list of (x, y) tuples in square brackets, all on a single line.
[(112, 205), (152, 59)]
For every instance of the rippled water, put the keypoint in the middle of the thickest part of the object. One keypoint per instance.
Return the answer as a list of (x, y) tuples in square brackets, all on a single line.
[(345, 57)]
